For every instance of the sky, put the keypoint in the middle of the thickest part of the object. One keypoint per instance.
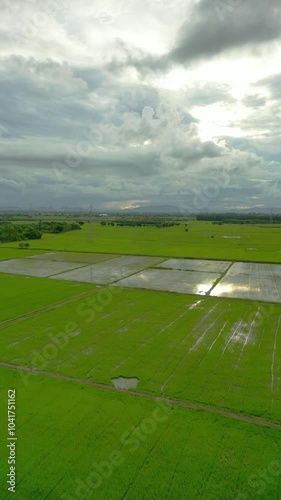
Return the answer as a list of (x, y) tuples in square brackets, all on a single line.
[(140, 103)]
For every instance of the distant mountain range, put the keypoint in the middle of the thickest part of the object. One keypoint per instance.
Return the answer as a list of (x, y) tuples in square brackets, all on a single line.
[(170, 209), (146, 209)]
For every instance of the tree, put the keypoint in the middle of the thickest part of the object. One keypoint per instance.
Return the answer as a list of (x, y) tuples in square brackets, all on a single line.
[(31, 233)]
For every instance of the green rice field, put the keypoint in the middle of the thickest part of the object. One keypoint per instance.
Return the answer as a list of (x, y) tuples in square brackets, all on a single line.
[(78, 442), (20, 295), (230, 242), (126, 393), (220, 352)]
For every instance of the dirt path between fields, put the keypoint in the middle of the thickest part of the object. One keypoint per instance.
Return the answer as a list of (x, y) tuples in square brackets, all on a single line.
[(8, 322), (250, 419)]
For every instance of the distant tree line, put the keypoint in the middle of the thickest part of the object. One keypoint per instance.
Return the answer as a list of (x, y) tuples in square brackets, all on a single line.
[(57, 227), (140, 223), (10, 232), (235, 218)]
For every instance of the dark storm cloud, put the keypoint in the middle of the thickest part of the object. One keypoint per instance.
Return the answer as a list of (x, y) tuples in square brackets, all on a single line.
[(250, 22), (34, 95), (207, 33), (54, 100)]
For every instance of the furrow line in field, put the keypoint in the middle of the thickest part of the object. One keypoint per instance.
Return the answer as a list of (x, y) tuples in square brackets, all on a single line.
[(74, 461), (200, 322), (204, 356), (252, 419), (218, 336), (222, 275), (131, 319), (230, 339), (247, 337), (186, 442), (217, 361), (273, 359), (198, 341), (262, 337), (193, 306), (42, 310), (185, 404), (132, 354), (191, 349), (40, 462), (141, 467), (109, 330), (242, 351)]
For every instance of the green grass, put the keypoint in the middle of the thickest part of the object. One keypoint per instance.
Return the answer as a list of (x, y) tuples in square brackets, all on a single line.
[(20, 295), (65, 430), (199, 354), (174, 242), (13, 253)]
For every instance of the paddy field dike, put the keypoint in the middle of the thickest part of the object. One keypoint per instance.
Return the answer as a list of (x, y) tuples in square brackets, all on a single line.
[(146, 363)]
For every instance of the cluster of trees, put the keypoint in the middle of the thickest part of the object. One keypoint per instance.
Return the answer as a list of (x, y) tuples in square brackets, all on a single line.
[(56, 227), (20, 232), (235, 218), (17, 232), (141, 223)]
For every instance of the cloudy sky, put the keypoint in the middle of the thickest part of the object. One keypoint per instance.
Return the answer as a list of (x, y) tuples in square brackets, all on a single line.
[(129, 103)]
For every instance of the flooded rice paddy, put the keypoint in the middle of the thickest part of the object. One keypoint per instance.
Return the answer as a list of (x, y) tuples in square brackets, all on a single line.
[(243, 280)]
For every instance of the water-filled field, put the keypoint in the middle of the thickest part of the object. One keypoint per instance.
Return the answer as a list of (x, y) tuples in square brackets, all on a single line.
[(111, 270), (172, 280), (253, 281), (36, 267)]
